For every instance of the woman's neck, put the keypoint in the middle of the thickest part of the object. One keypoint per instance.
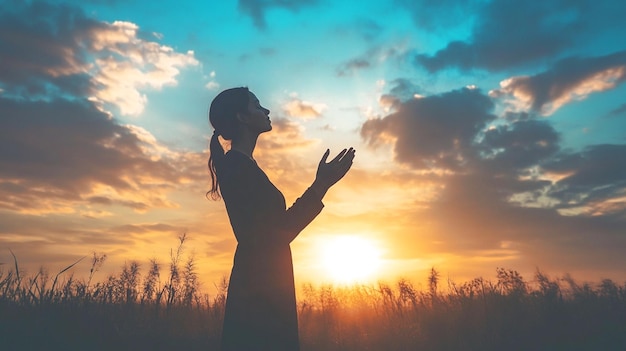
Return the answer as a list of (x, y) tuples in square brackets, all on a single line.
[(245, 144)]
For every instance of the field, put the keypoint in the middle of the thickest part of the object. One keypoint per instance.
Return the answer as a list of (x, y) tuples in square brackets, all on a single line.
[(145, 309)]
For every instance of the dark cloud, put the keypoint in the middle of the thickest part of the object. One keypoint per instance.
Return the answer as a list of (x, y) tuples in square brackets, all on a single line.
[(61, 149), (364, 28), (519, 145), (260, 52), (58, 148), (38, 45), (56, 51), (352, 66), (256, 9), (401, 89), (593, 175), (373, 57), (435, 131), (426, 14), (509, 33), (569, 79), (472, 215), (97, 2), (506, 183), (368, 29)]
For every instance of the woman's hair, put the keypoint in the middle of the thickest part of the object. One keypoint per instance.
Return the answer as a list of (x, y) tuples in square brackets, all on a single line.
[(223, 118)]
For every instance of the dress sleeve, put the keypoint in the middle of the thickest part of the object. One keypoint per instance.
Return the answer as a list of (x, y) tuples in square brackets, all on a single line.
[(257, 209)]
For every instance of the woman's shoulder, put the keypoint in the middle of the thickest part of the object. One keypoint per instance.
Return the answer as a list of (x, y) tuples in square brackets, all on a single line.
[(236, 168), (234, 156), (235, 161)]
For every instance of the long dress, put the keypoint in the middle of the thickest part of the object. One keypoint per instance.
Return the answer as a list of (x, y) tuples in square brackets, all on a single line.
[(261, 304)]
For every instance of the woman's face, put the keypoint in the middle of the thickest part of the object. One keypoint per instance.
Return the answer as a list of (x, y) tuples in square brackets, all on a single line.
[(257, 118)]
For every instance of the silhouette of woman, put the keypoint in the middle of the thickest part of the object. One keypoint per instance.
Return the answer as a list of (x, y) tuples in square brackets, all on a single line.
[(261, 305)]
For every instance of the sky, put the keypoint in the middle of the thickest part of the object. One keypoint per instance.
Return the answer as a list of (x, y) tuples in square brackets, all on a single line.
[(488, 133)]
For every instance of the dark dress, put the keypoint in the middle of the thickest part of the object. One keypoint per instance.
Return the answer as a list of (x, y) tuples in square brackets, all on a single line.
[(261, 304)]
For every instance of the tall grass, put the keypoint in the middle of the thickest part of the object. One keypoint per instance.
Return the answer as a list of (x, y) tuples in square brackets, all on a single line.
[(508, 314), (125, 311), (141, 309)]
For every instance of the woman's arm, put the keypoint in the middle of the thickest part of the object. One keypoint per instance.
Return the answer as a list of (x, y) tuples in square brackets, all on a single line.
[(309, 205), (257, 208)]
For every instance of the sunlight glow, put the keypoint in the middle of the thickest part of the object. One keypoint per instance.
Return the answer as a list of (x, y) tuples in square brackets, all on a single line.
[(350, 259)]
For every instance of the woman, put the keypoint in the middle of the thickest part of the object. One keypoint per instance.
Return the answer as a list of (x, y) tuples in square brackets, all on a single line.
[(261, 305)]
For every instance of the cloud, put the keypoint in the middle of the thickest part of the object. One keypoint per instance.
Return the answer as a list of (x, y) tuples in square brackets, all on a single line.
[(99, 2), (372, 58), (135, 64), (472, 214), (591, 178), (402, 89), (568, 80), (263, 52), (503, 184), (70, 170), (426, 16), (257, 9), (515, 150), (146, 228), (434, 132), (362, 28), (61, 153), (287, 136), (212, 85), (519, 145), (510, 33), (56, 50), (303, 109), (352, 66), (37, 52)]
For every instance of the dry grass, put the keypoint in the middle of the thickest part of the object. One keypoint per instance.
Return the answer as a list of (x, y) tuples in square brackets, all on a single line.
[(147, 311)]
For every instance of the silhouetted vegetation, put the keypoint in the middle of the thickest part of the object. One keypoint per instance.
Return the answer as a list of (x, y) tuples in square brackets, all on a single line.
[(147, 311)]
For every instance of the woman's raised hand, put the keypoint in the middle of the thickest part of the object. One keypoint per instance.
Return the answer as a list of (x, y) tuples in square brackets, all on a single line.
[(329, 173)]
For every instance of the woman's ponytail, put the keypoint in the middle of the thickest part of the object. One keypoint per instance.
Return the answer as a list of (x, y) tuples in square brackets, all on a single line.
[(215, 159), (222, 116)]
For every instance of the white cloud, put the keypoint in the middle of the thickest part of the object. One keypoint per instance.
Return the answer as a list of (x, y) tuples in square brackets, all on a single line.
[(126, 64), (303, 109), (212, 85)]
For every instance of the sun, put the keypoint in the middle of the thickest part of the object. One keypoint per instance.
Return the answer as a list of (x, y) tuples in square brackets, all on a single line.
[(350, 258)]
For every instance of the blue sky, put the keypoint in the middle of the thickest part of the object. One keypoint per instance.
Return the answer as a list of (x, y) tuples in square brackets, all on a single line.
[(489, 133)]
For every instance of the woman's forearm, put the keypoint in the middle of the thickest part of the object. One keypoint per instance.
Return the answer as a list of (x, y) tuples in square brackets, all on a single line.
[(319, 188)]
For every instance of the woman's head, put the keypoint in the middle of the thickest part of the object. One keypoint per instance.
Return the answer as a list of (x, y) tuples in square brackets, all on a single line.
[(235, 110), (233, 113), (225, 108)]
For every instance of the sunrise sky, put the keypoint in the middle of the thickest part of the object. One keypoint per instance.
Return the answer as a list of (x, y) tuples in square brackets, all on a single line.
[(488, 133)]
